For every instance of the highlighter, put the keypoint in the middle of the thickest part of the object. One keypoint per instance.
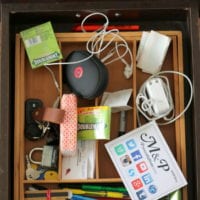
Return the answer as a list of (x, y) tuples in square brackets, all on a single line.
[(96, 193), (104, 188)]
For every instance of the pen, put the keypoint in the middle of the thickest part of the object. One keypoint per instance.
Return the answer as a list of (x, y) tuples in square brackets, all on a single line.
[(79, 197), (103, 188), (96, 193), (122, 123)]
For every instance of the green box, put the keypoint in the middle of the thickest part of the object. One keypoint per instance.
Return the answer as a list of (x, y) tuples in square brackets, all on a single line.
[(41, 45)]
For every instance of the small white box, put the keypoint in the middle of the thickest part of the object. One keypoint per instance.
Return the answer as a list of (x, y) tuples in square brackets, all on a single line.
[(153, 51)]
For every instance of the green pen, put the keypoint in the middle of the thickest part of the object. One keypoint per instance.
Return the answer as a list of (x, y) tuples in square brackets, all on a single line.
[(104, 188)]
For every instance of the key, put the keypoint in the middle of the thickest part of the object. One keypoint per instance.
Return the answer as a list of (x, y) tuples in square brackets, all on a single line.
[(43, 126), (46, 128), (31, 174), (39, 124)]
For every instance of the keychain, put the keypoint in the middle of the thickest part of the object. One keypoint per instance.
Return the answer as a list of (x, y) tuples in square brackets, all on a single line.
[(31, 173)]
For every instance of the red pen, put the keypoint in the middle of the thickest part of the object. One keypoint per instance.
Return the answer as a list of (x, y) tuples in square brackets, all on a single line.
[(94, 27)]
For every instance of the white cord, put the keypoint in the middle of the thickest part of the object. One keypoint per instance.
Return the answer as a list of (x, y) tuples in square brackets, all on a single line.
[(92, 14), (56, 102), (146, 106), (54, 78), (96, 45)]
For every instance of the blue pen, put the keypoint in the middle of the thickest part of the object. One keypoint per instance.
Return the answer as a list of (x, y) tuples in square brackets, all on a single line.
[(79, 197)]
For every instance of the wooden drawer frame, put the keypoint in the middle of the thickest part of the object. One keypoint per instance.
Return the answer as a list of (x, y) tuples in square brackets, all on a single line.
[(21, 93)]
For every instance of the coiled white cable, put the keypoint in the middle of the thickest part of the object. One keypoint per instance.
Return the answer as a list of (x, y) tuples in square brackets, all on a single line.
[(97, 44), (145, 108)]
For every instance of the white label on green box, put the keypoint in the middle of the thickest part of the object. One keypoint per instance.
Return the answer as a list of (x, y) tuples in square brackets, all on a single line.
[(41, 45)]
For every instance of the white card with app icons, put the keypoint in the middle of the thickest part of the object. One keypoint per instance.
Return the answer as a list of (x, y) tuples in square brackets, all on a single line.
[(145, 163)]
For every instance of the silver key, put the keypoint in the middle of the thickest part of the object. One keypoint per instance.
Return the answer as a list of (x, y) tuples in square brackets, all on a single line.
[(43, 126), (39, 124), (31, 174), (46, 127)]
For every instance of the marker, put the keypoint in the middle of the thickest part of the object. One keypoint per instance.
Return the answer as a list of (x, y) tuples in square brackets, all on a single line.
[(79, 197), (104, 188), (96, 193), (94, 27)]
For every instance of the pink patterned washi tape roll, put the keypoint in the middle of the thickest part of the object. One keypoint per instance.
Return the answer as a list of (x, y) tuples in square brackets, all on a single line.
[(68, 128)]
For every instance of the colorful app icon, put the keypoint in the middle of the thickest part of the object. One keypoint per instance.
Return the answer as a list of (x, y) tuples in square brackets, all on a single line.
[(120, 149), (136, 155), (142, 167), (131, 172), (137, 184), (152, 189), (125, 160), (147, 178), (141, 195), (131, 144)]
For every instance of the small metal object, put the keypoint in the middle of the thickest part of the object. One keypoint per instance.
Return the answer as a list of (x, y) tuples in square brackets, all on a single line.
[(39, 124), (49, 156), (43, 126), (78, 15), (117, 14), (31, 174)]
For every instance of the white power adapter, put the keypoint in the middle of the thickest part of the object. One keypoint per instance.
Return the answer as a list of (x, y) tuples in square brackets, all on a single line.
[(157, 96), (154, 99)]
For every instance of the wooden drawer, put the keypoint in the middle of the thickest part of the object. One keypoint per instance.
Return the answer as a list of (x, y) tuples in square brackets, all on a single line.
[(38, 83)]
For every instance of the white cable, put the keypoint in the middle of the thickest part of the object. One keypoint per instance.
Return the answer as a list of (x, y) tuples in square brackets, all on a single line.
[(57, 101), (92, 14), (97, 44), (128, 69), (171, 119), (54, 78)]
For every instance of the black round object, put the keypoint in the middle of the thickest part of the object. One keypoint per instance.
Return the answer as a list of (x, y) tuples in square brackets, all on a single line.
[(87, 79)]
